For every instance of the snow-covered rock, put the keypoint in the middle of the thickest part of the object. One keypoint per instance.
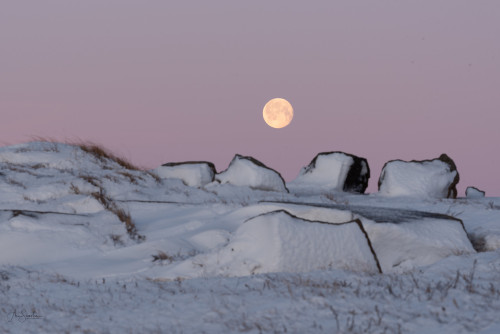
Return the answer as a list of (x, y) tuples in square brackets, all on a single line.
[(407, 245), (192, 173), (281, 242), (473, 192), (249, 172), (334, 171), (435, 178), (399, 246)]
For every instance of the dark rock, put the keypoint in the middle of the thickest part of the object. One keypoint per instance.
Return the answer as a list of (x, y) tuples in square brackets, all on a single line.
[(355, 180), (452, 190)]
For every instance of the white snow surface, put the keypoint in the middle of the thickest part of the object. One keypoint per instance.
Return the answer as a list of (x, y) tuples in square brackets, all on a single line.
[(192, 174), (330, 172), (228, 258), (244, 172), (420, 179)]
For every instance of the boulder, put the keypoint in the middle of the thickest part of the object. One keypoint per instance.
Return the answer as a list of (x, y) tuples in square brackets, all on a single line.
[(435, 178), (192, 173), (403, 240), (281, 242), (473, 192), (335, 171), (249, 172), (404, 246)]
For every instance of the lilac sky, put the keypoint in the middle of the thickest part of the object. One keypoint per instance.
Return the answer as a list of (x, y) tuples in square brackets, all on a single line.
[(163, 81)]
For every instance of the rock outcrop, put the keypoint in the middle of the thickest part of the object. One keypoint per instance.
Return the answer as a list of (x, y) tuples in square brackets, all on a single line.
[(249, 172), (335, 171), (192, 173), (435, 178), (473, 192)]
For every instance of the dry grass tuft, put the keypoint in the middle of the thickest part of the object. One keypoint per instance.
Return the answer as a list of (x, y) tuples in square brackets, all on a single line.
[(130, 177), (101, 198), (102, 154), (112, 207), (117, 240), (74, 189), (52, 144), (90, 179), (126, 218), (162, 256), (15, 183), (94, 149), (154, 176)]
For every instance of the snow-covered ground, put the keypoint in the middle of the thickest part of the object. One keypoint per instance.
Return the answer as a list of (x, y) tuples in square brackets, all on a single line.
[(88, 245)]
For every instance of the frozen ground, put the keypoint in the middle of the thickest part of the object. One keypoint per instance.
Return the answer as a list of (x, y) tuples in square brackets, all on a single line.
[(88, 245)]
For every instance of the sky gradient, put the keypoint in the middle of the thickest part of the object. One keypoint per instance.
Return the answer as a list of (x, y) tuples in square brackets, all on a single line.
[(165, 81)]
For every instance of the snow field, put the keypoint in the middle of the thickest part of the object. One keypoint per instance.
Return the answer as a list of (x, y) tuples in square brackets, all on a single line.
[(434, 300), (253, 265)]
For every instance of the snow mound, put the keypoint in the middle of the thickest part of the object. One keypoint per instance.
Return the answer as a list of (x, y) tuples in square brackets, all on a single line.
[(49, 239), (280, 242), (428, 178), (249, 172), (60, 156), (473, 192), (404, 246), (192, 173), (334, 171)]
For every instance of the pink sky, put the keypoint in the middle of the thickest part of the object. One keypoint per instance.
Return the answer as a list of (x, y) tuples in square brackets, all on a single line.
[(163, 81)]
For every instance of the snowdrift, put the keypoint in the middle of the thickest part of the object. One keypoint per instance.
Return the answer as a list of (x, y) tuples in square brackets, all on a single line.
[(336, 171), (192, 173), (428, 178), (249, 172), (61, 177)]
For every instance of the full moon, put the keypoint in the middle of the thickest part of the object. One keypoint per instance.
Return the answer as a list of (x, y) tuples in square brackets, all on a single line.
[(278, 113)]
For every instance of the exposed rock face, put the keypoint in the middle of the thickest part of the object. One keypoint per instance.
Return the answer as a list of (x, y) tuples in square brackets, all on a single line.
[(335, 171), (249, 172), (192, 173), (473, 192), (426, 178)]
